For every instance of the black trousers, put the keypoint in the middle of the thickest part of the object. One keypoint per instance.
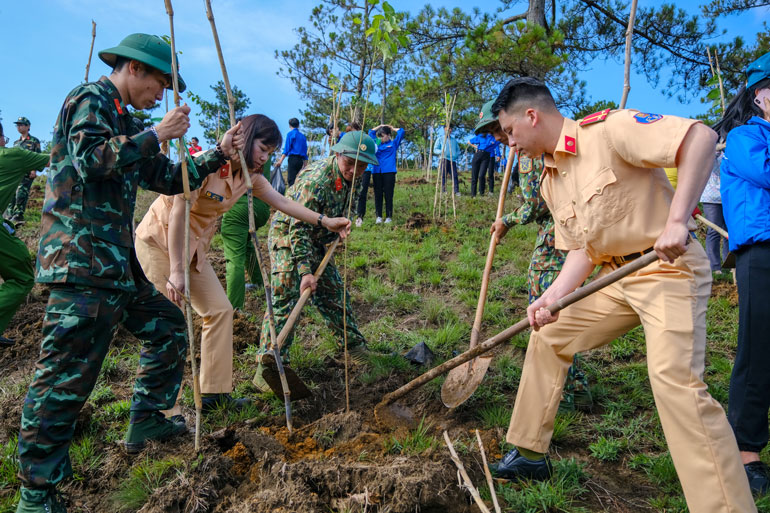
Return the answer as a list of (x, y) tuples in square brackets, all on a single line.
[(361, 207), (749, 396), (448, 167), (384, 185), (481, 166), (295, 166)]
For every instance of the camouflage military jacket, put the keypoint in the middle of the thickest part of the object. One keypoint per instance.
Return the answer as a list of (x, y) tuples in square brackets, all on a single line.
[(31, 143), (321, 188), (98, 159), (534, 209)]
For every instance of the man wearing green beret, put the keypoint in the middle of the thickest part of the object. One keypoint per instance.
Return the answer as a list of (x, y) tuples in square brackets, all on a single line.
[(18, 204), (297, 248), (87, 259)]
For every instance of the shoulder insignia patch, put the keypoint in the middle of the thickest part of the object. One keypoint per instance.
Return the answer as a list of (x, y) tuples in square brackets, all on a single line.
[(595, 117), (525, 165), (117, 106), (647, 118), (224, 171), (214, 196), (569, 144), (338, 184)]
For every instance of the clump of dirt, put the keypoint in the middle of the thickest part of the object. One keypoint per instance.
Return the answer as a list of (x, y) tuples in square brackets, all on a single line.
[(727, 289), (244, 332), (417, 220), (241, 457), (333, 429)]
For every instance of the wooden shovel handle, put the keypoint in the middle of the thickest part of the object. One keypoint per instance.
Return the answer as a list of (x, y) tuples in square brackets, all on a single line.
[(475, 333), (305, 296), (520, 326), (721, 231)]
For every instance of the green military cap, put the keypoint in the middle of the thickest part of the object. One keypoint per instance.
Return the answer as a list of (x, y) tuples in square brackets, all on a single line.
[(145, 48), (22, 121), (486, 118), (758, 71), (357, 144)]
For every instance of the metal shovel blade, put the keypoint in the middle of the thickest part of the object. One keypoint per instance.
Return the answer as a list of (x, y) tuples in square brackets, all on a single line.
[(272, 377), (462, 381)]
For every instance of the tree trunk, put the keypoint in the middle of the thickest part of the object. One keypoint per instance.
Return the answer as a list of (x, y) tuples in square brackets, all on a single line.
[(384, 92), (536, 12)]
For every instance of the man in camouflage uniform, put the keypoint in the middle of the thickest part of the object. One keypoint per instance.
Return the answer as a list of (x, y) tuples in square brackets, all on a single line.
[(546, 260), (87, 258), (15, 210), (297, 248)]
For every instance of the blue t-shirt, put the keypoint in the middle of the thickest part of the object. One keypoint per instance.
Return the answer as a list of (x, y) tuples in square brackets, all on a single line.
[(386, 152), (296, 144), (485, 142)]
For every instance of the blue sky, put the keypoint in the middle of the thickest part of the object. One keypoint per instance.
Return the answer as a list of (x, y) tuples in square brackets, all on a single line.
[(46, 48)]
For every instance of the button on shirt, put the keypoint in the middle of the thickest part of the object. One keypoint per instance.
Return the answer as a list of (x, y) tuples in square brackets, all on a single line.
[(386, 152), (486, 142), (605, 185), (296, 144)]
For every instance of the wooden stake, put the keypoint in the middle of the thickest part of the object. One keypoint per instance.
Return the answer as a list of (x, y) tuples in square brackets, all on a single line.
[(487, 473), (721, 85), (465, 477), (91, 51), (187, 201), (627, 72), (252, 228)]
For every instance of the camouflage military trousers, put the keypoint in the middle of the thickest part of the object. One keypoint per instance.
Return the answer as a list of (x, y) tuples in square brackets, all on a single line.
[(327, 298), (18, 204), (77, 330), (576, 382)]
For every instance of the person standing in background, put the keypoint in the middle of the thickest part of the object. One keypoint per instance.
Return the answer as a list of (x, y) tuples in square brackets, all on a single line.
[(716, 245), (483, 163), (18, 205), (194, 146), (384, 174), (448, 164), (296, 149)]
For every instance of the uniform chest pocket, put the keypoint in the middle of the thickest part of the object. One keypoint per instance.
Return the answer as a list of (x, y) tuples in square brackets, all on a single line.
[(565, 218), (606, 200)]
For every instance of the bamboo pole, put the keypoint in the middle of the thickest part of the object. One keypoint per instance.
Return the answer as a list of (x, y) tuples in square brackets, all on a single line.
[(187, 201), (721, 85), (252, 228), (627, 71), (465, 477), (520, 326), (487, 473), (91, 51)]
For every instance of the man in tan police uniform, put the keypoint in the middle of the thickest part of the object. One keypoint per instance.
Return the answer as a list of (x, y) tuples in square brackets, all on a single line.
[(612, 203)]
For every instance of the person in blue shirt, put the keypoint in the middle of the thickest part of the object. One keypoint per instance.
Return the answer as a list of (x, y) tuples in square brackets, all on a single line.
[(296, 149), (482, 166), (452, 155), (384, 175), (745, 189)]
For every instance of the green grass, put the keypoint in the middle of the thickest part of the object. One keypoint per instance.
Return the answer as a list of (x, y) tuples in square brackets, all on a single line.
[(142, 480), (86, 456), (416, 442)]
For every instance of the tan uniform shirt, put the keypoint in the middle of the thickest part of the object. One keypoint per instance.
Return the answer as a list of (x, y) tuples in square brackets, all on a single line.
[(217, 195), (605, 184)]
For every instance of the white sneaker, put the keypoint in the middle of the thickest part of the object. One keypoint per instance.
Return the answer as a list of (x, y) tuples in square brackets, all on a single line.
[(388, 220), (359, 221), (378, 221)]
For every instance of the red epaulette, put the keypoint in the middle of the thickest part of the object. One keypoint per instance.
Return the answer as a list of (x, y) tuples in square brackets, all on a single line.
[(595, 117)]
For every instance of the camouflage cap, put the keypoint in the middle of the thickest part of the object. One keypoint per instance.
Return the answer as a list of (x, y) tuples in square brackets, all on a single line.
[(357, 144), (486, 118), (145, 48), (758, 71), (22, 121)]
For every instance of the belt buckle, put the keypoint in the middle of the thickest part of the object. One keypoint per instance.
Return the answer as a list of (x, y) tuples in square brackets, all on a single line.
[(619, 260)]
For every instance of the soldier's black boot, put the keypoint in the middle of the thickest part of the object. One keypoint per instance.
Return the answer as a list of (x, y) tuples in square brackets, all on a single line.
[(759, 477), (154, 427), (515, 467), (211, 402)]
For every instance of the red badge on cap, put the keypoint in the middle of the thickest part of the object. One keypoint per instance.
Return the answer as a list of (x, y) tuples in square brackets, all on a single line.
[(117, 106), (338, 184), (224, 171), (569, 143)]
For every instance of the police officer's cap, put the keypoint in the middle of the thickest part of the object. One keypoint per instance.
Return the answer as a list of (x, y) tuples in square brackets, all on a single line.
[(758, 71), (357, 144), (486, 118), (150, 50), (22, 121)]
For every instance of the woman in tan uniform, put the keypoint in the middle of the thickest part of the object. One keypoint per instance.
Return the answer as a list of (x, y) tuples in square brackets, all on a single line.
[(160, 249)]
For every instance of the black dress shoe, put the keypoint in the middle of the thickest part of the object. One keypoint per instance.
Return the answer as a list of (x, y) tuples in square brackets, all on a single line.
[(515, 467), (6, 342), (215, 401), (758, 474)]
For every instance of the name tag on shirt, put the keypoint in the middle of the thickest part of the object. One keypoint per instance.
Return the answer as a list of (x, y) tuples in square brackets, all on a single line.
[(214, 196)]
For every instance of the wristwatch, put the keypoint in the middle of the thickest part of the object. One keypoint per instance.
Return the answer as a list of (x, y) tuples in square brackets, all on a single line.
[(320, 218)]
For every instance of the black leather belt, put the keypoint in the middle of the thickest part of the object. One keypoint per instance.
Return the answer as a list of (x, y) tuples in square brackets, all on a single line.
[(622, 260)]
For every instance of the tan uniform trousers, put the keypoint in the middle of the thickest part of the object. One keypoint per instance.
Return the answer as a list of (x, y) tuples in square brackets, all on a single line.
[(670, 302), (209, 300)]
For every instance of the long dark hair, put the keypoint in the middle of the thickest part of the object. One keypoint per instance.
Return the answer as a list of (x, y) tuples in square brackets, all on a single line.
[(740, 109), (261, 127)]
